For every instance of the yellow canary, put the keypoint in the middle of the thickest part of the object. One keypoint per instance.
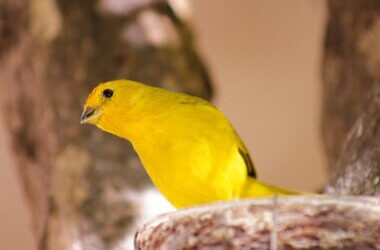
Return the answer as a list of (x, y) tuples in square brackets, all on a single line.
[(188, 147)]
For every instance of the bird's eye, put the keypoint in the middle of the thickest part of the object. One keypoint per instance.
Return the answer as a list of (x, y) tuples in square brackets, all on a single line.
[(107, 93)]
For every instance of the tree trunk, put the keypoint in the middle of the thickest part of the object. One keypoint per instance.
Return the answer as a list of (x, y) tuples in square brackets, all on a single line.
[(351, 96), (52, 53)]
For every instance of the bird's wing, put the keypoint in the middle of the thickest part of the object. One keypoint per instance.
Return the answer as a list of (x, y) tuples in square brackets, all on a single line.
[(248, 161), (243, 152)]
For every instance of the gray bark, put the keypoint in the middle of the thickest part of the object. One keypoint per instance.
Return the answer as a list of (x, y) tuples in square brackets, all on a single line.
[(351, 67)]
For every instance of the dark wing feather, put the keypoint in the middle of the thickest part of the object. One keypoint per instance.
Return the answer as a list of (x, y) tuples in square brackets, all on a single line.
[(248, 163)]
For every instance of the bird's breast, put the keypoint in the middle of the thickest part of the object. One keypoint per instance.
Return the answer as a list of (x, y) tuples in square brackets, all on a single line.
[(189, 173)]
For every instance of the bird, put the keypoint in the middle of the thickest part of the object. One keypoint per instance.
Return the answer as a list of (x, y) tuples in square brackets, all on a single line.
[(188, 147)]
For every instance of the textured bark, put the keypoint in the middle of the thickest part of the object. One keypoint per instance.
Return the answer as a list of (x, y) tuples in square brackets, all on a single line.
[(52, 53), (286, 223), (351, 92)]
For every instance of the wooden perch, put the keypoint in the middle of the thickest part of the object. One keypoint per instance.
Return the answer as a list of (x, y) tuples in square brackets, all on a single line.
[(303, 222)]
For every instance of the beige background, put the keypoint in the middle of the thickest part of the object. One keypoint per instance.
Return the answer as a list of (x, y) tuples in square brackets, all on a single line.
[(264, 57)]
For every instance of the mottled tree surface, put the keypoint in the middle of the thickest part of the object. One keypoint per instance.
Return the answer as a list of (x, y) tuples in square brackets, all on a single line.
[(284, 223), (351, 96), (52, 53)]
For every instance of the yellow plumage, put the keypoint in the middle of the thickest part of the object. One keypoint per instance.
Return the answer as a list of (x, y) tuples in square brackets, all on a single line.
[(189, 149)]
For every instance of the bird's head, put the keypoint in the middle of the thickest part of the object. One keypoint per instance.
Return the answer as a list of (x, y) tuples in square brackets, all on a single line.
[(111, 101)]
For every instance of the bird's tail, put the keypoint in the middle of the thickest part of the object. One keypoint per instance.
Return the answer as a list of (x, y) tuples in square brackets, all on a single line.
[(254, 189)]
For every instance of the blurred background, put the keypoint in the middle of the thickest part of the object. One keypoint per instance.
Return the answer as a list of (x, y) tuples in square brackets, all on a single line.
[(264, 59)]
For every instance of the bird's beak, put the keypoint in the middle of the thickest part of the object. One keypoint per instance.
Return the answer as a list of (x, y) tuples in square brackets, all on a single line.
[(88, 114)]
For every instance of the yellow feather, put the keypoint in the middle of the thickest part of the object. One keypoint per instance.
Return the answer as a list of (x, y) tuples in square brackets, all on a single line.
[(188, 147)]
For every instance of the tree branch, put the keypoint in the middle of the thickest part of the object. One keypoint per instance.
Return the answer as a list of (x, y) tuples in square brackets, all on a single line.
[(308, 222)]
